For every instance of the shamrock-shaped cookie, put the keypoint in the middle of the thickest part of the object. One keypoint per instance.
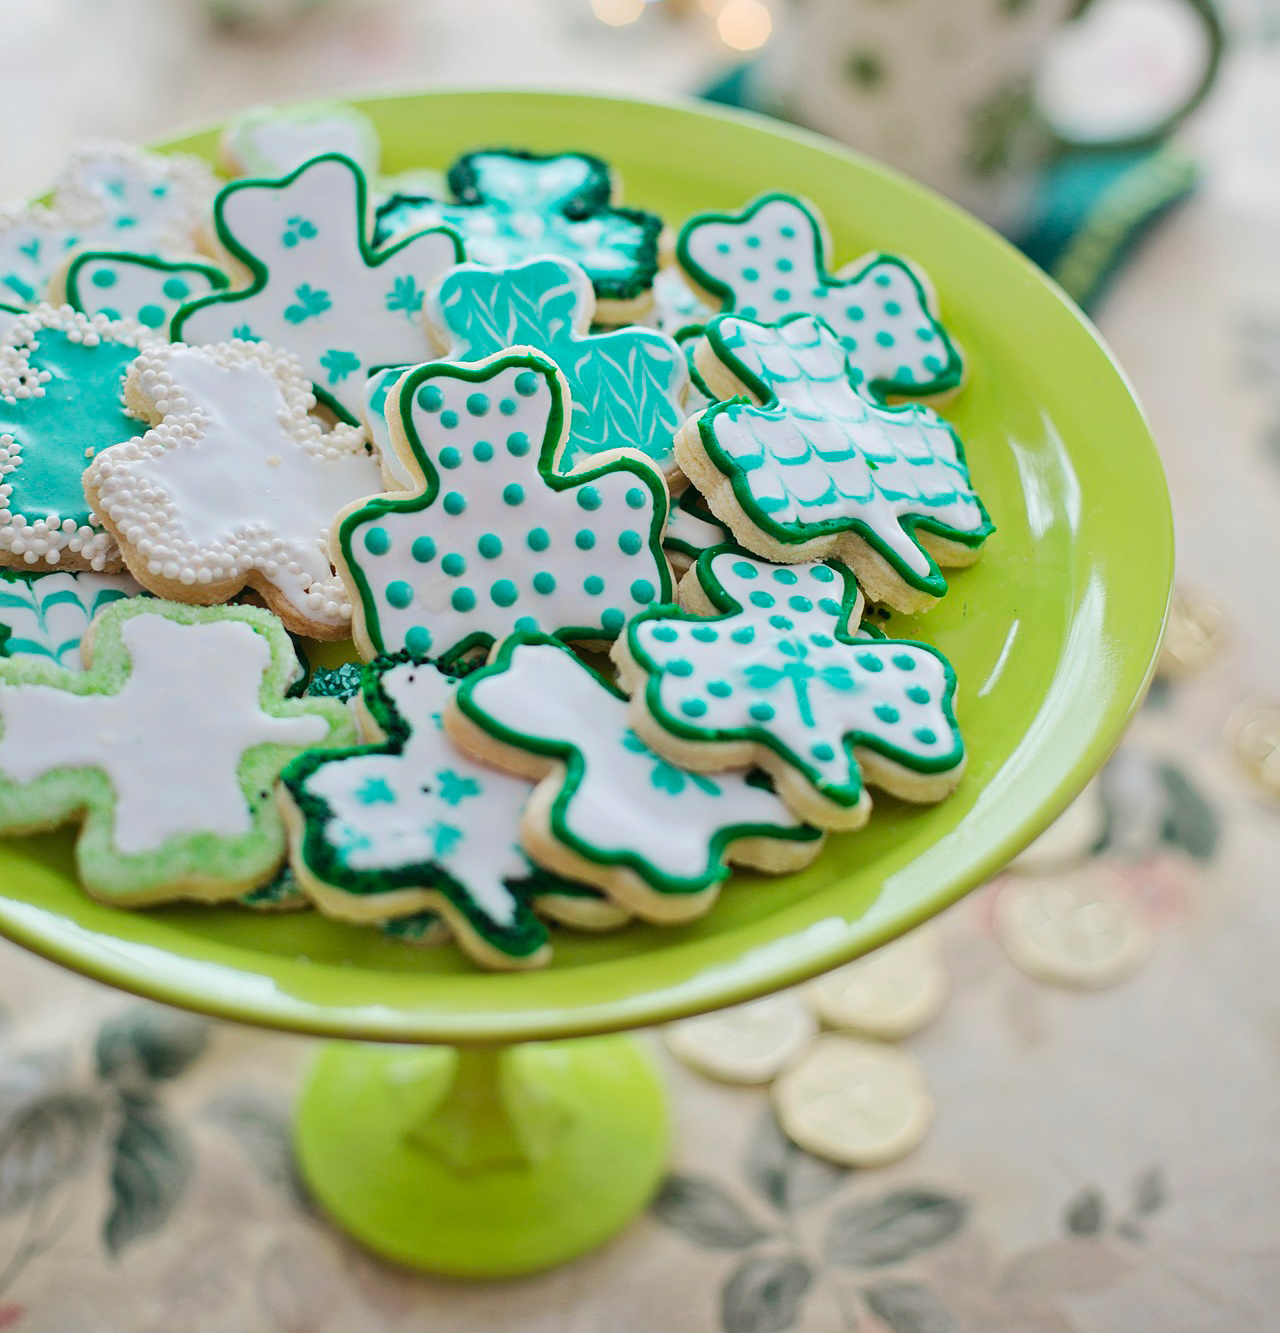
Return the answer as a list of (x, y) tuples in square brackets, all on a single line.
[(819, 470), (121, 285), (627, 384), (494, 538), (608, 811), (167, 747), (409, 823), (61, 403), (510, 206), (108, 196), (770, 261), (763, 668), (47, 615), (317, 286), (272, 141), (235, 484)]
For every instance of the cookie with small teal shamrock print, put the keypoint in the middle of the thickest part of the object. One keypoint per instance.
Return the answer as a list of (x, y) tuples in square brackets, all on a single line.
[(46, 615), (165, 749), (61, 403), (495, 538), (108, 196), (408, 824), (317, 287), (510, 206), (770, 261), (119, 284), (607, 810), (811, 468), (764, 667), (627, 384)]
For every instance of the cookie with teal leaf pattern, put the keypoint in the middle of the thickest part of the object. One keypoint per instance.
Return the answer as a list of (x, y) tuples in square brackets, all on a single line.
[(46, 615)]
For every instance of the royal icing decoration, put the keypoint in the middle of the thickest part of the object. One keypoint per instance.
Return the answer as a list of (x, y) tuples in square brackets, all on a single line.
[(168, 747), (275, 140), (396, 472), (120, 285), (821, 468), (235, 484), (411, 823), (609, 811), (769, 261), (767, 667), (318, 288), (512, 206), (627, 384), (61, 403), (46, 615), (494, 539), (108, 196)]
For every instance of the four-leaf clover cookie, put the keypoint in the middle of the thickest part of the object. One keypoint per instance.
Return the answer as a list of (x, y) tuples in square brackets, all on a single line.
[(510, 206), (770, 261), (235, 485), (318, 288), (627, 384), (608, 810), (166, 748), (811, 468), (764, 668), (494, 538)]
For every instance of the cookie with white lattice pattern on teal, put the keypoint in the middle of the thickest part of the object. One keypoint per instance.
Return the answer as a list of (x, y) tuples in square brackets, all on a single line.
[(810, 468), (119, 284), (627, 384), (509, 206), (495, 537), (764, 666), (607, 810), (46, 615), (317, 286), (769, 261)]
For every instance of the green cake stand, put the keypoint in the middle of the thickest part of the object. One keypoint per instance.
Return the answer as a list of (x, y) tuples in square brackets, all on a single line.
[(504, 1131)]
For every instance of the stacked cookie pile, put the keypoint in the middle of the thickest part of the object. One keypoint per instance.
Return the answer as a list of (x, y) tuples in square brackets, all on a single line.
[(602, 531)]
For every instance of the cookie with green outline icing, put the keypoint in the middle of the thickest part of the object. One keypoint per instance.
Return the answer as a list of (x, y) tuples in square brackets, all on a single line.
[(234, 485), (108, 196), (691, 529), (607, 810), (175, 796), (271, 141), (408, 823), (510, 206), (317, 287), (770, 261), (119, 284), (763, 667), (61, 403), (495, 538), (627, 384), (46, 615), (810, 468)]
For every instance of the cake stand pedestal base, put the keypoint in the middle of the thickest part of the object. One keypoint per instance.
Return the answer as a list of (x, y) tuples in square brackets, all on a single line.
[(483, 1162)]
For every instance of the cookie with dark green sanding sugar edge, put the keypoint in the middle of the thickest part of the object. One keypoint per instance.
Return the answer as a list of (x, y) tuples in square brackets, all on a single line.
[(495, 538), (123, 285), (769, 261), (764, 666), (607, 810), (802, 466), (174, 792)]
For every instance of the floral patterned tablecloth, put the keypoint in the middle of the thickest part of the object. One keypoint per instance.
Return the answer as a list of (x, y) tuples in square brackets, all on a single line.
[(1101, 1163)]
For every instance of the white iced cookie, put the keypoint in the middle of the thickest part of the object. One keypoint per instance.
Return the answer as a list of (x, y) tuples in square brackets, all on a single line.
[(275, 140), (46, 615), (118, 284)]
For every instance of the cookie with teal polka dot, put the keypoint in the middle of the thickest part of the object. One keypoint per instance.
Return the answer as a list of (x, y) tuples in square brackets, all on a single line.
[(810, 468), (770, 261), (122, 285), (608, 811), (764, 666), (494, 538)]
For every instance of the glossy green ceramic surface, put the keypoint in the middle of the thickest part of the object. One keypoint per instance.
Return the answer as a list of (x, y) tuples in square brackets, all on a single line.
[(1053, 634)]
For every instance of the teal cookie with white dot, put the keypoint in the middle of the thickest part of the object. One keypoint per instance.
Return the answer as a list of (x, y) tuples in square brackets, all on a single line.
[(493, 537), (122, 285), (764, 666), (769, 261)]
